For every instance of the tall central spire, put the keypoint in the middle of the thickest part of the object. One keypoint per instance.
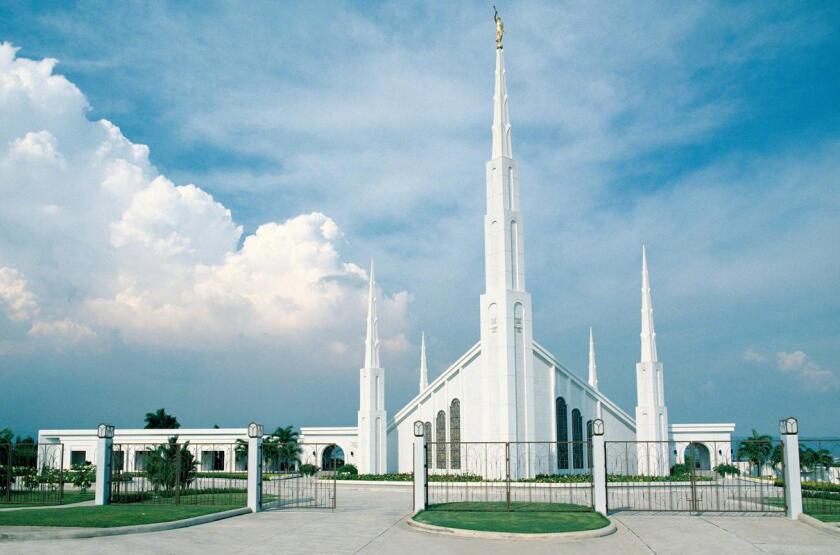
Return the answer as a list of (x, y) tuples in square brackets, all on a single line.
[(372, 338), (648, 334), (501, 118)]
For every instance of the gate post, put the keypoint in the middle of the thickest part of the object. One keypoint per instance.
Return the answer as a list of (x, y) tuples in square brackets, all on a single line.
[(420, 474), (599, 467), (789, 428), (104, 457), (255, 434)]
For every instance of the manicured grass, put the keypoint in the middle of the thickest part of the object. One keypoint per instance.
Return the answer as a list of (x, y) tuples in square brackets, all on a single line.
[(525, 518), (108, 516), (827, 510), (51, 499)]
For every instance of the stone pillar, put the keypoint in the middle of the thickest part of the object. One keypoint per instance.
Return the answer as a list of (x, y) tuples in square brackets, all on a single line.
[(104, 458), (789, 429), (255, 459), (420, 474), (599, 467)]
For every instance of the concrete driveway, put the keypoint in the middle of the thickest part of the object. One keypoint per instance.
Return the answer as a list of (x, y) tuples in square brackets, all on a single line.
[(369, 520)]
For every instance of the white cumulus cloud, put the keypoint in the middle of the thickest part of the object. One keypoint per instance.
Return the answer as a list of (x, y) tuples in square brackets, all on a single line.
[(114, 245)]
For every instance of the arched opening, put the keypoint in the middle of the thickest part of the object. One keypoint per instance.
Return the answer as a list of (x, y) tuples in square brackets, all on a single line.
[(577, 439), (562, 433), (440, 439), (455, 434), (697, 457), (332, 457)]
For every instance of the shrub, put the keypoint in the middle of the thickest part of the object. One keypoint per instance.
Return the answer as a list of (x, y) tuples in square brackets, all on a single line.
[(82, 475), (680, 469), (349, 469), (727, 469), (308, 469)]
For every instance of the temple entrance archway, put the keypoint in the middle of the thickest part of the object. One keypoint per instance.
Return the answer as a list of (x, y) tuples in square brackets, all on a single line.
[(697, 456), (332, 458)]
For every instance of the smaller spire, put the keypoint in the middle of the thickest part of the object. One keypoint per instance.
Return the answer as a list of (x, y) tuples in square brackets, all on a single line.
[(593, 373), (424, 371), (648, 334), (372, 337)]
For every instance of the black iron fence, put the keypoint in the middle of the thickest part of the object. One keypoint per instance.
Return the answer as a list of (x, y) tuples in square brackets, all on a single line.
[(297, 480), (36, 474), (819, 462), (509, 476), (180, 473), (695, 477)]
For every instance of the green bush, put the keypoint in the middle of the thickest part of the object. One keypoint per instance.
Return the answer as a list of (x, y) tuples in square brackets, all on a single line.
[(308, 469), (161, 465), (680, 469), (560, 479), (348, 469), (725, 470), (82, 475), (812, 487), (223, 475), (376, 477)]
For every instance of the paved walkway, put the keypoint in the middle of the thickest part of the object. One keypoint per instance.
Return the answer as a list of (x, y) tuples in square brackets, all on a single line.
[(369, 520)]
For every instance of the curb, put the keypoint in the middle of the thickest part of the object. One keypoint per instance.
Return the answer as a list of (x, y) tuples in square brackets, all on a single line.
[(819, 524), (478, 534), (59, 534)]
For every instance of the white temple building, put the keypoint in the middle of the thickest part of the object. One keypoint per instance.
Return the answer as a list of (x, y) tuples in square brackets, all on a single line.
[(504, 388), (507, 387)]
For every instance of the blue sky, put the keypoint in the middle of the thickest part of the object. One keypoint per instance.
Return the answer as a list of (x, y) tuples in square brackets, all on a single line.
[(331, 133)]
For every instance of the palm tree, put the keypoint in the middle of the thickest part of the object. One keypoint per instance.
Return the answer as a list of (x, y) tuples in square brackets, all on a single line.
[(290, 454), (285, 434), (755, 449), (160, 420)]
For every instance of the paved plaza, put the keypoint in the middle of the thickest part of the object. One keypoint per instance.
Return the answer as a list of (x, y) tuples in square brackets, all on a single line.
[(370, 520)]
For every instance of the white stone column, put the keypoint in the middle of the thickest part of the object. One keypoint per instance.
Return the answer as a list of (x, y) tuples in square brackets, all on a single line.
[(255, 433), (789, 429), (599, 467), (104, 457), (420, 474)]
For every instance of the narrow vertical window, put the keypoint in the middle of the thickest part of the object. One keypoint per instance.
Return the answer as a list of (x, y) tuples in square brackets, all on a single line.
[(440, 439), (514, 255), (510, 189), (427, 431), (562, 433), (455, 434), (589, 444), (577, 439)]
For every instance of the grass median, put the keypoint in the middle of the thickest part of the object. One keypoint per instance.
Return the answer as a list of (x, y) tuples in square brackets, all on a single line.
[(523, 518), (39, 500), (108, 516)]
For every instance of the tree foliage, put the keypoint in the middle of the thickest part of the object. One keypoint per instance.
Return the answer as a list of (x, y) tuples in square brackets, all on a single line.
[(162, 464), (160, 420)]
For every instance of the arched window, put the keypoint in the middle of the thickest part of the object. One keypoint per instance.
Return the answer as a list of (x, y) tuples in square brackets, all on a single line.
[(455, 434), (562, 433), (577, 439), (589, 444), (427, 431), (440, 439)]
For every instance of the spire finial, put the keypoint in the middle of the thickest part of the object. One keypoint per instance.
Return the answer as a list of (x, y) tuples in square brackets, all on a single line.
[(372, 337), (593, 373), (648, 334), (424, 371), (501, 119), (500, 28)]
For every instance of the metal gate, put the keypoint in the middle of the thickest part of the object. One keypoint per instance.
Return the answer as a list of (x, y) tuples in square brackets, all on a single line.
[(292, 477), (508, 476), (695, 477)]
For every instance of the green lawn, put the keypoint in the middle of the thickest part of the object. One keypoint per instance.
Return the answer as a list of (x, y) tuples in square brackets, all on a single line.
[(827, 510), (525, 518), (33, 500), (107, 516)]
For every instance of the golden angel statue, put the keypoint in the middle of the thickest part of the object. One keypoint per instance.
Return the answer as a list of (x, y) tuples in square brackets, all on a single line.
[(500, 27)]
